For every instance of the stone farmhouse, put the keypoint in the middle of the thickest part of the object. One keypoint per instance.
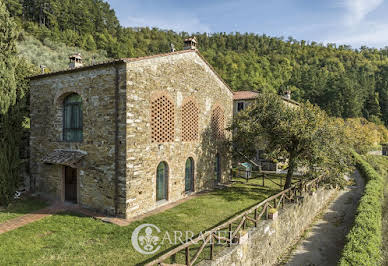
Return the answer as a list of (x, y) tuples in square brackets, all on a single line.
[(128, 136)]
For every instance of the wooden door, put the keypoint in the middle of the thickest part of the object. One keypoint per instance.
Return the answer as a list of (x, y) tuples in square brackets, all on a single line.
[(70, 184)]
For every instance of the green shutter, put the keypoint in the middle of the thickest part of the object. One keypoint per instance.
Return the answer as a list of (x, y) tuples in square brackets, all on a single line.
[(72, 118), (161, 181)]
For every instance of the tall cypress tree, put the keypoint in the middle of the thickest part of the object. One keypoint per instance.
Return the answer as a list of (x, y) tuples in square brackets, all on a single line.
[(8, 59), (11, 115)]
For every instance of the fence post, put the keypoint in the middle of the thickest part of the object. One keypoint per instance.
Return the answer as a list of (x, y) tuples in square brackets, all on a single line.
[(230, 235), (244, 223), (187, 256), (256, 217), (211, 247)]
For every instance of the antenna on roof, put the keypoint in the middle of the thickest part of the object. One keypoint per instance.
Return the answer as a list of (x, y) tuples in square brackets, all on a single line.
[(172, 47)]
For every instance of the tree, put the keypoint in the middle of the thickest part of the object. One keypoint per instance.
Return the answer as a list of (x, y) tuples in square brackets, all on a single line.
[(89, 43), (8, 59), (302, 136), (13, 106), (14, 7)]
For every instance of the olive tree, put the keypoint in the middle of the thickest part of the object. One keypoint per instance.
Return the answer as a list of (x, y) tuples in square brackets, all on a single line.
[(302, 135)]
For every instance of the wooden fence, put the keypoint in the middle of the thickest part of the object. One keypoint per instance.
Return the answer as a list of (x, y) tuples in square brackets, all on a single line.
[(235, 225), (262, 176)]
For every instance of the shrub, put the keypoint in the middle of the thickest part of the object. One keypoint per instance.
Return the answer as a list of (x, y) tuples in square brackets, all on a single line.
[(364, 240)]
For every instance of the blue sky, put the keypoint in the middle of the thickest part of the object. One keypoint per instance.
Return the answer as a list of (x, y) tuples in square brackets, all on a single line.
[(352, 22)]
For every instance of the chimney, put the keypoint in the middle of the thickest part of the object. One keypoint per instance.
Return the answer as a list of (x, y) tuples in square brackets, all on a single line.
[(172, 47), (190, 44), (287, 95), (75, 61), (43, 68)]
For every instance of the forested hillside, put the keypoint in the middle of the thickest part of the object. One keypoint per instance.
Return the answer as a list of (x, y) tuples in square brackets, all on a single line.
[(343, 81), (53, 55)]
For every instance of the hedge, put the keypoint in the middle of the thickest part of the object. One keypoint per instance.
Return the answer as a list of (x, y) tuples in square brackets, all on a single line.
[(364, 240)]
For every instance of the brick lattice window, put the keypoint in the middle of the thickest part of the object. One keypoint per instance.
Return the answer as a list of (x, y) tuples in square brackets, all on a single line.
[(162, 119), (190, 117), (217, 122)]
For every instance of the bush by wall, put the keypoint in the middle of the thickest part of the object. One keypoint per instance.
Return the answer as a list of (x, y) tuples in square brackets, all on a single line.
[(364, 239)]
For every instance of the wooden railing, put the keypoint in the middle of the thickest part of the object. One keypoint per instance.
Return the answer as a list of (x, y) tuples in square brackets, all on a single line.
[(262, 176), (250, 217)]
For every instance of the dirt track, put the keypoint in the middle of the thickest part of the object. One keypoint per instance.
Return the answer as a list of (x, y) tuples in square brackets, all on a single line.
[(325, 240)]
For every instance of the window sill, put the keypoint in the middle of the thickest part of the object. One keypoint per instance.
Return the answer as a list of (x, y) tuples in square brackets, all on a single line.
[(70, 142), (161, 202)]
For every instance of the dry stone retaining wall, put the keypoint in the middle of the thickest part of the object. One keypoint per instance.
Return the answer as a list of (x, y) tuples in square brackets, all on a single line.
[(271, 238)]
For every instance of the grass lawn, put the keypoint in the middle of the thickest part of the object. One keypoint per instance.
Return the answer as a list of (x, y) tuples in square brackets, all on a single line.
[(21, 207), (380, 163), (72, 239)]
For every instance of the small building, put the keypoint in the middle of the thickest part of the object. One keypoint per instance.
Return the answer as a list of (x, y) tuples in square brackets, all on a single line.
[(242, 99), (130, 135)]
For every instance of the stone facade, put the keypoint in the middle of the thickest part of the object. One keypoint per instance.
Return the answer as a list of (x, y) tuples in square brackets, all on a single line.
[(118, 174), (267, 242), (182, 77)]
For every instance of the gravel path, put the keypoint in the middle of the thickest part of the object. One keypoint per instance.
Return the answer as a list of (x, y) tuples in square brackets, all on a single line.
[(325, 240)]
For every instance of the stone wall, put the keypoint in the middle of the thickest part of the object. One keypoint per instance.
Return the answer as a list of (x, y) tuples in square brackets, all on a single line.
[(119, 170), (96, 174), (271, 238), (180, 77)]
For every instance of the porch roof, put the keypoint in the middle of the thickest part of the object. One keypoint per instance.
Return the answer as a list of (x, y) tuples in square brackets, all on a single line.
[(64, 157)]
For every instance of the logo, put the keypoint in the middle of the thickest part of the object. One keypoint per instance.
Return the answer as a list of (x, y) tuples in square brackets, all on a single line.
[(148, 239), (145, 239)]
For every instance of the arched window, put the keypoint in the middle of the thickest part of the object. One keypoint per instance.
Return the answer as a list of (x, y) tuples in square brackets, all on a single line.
[(72, 118), (162, 181), (189, 175), (162, 120), (190, 116), (217, 122), (217, 167)]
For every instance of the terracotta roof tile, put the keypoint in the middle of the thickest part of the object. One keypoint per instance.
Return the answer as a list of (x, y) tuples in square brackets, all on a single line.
[(245, 95)]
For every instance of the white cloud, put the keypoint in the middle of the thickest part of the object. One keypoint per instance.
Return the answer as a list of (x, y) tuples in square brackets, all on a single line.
[(178, 23), (357, 10), (358, 28), (370, 34)]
